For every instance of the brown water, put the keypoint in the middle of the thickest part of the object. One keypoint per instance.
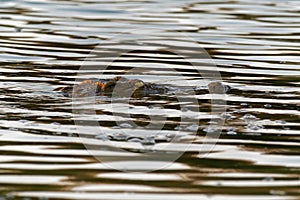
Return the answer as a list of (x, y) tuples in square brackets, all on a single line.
[(255, 45)]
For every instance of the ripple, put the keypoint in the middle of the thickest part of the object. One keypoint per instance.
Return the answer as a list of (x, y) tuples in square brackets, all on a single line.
[(255, 46)]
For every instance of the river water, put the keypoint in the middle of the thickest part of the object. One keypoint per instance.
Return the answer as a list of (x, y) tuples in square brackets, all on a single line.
[(56, 147)]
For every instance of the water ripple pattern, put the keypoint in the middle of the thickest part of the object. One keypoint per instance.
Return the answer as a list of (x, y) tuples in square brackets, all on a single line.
[(255, 45)]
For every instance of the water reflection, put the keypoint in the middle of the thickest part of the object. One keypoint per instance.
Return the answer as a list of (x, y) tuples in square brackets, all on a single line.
[(254, 45)]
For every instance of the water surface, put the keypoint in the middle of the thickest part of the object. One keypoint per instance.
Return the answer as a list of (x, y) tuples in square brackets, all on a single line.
[(255, 46)]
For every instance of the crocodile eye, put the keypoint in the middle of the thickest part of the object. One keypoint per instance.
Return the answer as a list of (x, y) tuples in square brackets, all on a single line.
[(139, 84), (136, 83)]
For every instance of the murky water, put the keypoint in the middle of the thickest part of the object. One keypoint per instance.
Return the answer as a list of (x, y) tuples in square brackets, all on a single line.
[(255, 46)]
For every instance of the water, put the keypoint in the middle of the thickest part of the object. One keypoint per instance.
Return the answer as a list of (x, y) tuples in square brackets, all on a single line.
[(255, 46)]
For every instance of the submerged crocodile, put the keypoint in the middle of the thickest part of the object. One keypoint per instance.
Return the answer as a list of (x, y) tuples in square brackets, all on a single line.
[(121, 86)]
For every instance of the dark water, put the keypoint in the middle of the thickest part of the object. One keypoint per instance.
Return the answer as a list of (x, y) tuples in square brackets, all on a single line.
[(255, 46)]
